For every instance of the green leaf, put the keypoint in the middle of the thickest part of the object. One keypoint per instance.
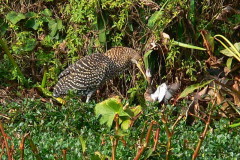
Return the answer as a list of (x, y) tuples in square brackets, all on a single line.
[(59, 24), (53, 26), (126, 124), (32, 23), (102, 37), (156, 16), (229, 63), (47, 12), (83, 143), (146, 59), (30, 44), (188, 46), (234, 125), (101, 26), (108, 109), (151, 61), (31, 14), (149, 153), (15, 17), (3, 27), (230, 53), (192, 10), (136, 110), (193, 87)]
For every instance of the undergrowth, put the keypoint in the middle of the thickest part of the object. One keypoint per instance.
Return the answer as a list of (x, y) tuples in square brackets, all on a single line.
[(55, 128)]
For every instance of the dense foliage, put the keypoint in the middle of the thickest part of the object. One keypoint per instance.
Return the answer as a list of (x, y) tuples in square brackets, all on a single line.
[(54, 128), (38, 39)]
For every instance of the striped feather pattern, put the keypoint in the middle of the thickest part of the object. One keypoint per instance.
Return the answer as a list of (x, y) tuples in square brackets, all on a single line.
[(88, 73)]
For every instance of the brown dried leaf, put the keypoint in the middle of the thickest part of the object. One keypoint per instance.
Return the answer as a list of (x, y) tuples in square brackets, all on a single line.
[(236, 86)]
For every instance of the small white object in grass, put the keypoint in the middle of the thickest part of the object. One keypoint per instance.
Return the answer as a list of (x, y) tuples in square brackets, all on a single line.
[(159, 93), (148, 73), (153, 45)]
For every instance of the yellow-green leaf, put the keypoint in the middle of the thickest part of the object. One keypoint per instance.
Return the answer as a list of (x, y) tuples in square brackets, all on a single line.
[(193, 87)]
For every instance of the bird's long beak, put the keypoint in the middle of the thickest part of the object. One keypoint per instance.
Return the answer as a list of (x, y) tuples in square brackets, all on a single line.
[(139, 65)]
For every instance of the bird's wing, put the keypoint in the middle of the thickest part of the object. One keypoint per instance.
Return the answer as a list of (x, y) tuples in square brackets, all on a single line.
[(68, 70), (91, 73)]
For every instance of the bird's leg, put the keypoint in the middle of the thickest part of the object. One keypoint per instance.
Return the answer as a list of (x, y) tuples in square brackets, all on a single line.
[(89, 96)]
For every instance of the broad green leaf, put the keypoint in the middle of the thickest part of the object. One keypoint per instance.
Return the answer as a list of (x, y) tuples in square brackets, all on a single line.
[(126, 124), (53, 26), (132, 112), (108, 109), (193, 87), (15, 17), (47, 12), (33, 23), (230, 53), (31, 14), (46, 19)]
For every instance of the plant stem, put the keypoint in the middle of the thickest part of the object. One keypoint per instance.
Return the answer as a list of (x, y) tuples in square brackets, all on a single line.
[(169, 136), (115, 139), (5, 141), (64, 151), (201, 138), (44, 76), (141, 150), (6, 50), (156, 139), (21, 146)]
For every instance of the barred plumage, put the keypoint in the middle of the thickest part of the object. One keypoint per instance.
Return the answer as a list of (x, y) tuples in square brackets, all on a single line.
[(90, 72)]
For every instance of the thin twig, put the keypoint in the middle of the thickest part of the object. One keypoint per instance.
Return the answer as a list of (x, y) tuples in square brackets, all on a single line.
[(203, 135), (141, 150), (115, 140), (2, 147), (169, 136), (201, 138), (21, 146), (5, 137), (178, 119), (64, 151), (156, 139)]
